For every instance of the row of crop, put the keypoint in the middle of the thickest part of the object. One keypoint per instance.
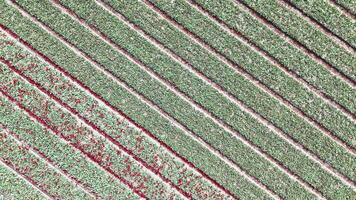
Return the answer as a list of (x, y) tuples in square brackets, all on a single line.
[(44, 176), (131, 106), (102, 21), (348, 5), (330, 17), (61, 153), (115, 126), (288, 55), (147, 19), (112, 159), (121, 33), (268, 107), (13, 186), (265, 72), (163, 97), (306, 34)]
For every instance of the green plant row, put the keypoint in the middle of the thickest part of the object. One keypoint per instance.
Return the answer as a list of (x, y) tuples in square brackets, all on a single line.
[(62, 154), (92, 145), (97, 16), (14, 187), (38, 170), (171, 107), (306, 34), (147, 19), (136, 141), (348, 4), (288, 55), (133, 107), (264, 71), (104, 21), (330, 17)]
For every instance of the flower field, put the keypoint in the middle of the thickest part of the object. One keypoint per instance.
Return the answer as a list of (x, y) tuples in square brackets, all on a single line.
[(177, 99)]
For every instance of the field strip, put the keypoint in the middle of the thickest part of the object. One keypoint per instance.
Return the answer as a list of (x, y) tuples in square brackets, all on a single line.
[(23, 173), (43, 123), (351, 116), (98, 132), (62, 52), (243, 39), (315, 74), (263, 121), (197, 107), (330, 91), (199, 170), (335, 37), (205, 144), (207, 114), (50, 163), (78, 119), (346, 11), (253, 80), (198, 140), (61, 151), (292, 41), (323, 126), (35, 168), (249, 77), (188, 66), (26, 179), (319, 25), (324, 48), (23, 188), (84, 98), (312, 88), (277, 153), (113, 108)]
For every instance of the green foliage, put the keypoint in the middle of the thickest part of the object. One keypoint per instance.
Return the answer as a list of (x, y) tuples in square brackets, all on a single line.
[(330, 17), (115, 126), (37, 170), (194, 88), (133, 107), (14, 187), (308, 35)]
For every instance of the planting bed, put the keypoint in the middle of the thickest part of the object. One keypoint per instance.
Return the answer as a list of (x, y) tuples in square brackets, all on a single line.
[(183, 99)]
